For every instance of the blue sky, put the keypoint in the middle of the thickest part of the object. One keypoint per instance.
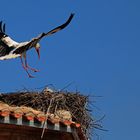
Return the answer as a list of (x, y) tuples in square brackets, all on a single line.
[(98, 52)]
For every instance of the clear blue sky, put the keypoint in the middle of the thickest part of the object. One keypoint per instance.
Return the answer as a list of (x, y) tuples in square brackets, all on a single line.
[(99, 52)]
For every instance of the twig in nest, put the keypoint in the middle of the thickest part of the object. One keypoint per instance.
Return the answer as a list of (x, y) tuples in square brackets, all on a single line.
[(44, 124)]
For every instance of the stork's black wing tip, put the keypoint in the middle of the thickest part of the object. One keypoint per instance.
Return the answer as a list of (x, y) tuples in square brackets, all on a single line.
[(72, 15), (2, 27), (67, 22), (1, 22), (59, 27), (70, 18)]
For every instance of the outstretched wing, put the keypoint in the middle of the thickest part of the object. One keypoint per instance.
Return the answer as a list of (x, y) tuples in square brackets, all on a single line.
[(34, 41), (37, 39), (59, 27)]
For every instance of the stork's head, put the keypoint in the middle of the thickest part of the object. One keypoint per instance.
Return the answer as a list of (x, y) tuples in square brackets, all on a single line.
[(37, 48)]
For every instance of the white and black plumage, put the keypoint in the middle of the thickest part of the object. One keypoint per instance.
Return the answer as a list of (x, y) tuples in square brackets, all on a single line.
[(11, 49)]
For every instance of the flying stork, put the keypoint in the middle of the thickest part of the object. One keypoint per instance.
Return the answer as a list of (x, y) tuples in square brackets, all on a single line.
[(11, 49)]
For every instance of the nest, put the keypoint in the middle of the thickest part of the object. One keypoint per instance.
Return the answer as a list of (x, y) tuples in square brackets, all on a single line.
[(50, 101)]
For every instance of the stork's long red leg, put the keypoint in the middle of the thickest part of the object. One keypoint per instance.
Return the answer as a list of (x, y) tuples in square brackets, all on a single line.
[(25, 68)]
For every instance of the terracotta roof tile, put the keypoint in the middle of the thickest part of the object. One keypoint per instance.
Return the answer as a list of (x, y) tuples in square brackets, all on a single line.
[(30, 115), (61, 116), (17, 115), (41, 117), (5, 112)]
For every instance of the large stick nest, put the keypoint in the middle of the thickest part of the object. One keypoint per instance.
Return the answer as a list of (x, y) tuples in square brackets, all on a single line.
[(76, 103)]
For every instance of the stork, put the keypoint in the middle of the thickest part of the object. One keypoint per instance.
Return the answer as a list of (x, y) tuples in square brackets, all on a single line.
[(11, 49)]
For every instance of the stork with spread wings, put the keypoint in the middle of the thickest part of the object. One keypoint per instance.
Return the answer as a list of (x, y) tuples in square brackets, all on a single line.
[(11, 49)]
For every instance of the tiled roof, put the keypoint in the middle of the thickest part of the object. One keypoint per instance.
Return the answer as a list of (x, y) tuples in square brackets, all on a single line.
[(27, 116), (61, 116)]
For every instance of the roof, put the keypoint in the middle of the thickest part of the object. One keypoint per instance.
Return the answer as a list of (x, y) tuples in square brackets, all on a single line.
[(67, 108), (27, 116), (61, 116)]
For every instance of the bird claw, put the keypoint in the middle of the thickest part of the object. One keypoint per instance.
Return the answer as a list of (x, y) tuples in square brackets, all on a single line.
[(32, 69), (35, 70)]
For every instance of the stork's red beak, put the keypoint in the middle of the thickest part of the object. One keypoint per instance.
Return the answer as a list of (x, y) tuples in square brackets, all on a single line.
[(38, 52)]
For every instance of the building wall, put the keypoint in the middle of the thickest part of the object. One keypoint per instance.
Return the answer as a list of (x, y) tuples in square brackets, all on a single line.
[(14, 132)]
